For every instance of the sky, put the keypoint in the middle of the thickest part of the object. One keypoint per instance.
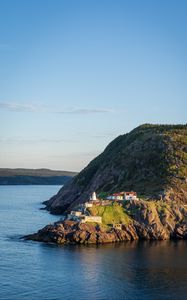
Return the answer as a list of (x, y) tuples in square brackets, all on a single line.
[(75, 74)]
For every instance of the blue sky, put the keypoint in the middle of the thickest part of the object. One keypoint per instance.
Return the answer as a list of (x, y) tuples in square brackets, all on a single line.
[(75, 74)]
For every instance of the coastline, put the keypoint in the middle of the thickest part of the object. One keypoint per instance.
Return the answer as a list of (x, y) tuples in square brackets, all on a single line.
[(148, 221)]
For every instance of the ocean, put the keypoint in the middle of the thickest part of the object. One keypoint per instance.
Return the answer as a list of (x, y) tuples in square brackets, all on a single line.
[(31, 270)]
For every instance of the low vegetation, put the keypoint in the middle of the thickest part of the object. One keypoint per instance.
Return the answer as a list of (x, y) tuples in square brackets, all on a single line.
[(150, 160), (113, 214)]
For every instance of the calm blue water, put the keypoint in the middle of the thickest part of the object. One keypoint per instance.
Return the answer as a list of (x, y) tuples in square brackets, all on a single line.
[(31, 270)]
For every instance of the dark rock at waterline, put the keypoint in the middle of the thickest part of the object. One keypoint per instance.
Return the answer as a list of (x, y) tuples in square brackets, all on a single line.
[(155, 220)]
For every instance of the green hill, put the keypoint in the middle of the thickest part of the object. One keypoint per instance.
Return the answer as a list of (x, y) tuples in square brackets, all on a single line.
[(33, 176), (151, 160)]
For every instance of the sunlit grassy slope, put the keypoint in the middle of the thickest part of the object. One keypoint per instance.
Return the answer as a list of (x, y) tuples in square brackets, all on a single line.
[(110, 214)]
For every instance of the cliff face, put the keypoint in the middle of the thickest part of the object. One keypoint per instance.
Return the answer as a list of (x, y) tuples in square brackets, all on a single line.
[(151, 160), (155, 220)]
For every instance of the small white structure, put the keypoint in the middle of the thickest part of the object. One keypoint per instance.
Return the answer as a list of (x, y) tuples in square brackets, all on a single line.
[(123, 196), (95, 219), (116, 196), (117, 226), (93, 197), (130, 196), (74, 215), (88, 204)]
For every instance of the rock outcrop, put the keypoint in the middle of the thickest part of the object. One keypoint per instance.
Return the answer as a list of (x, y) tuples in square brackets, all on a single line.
[(151, 160), (149, 220)]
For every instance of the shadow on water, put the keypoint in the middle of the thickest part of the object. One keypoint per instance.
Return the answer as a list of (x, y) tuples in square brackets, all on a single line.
[(134, 270)]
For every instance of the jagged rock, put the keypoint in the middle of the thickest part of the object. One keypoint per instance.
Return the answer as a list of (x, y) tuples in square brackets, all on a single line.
[(151, 160), (146, 222)]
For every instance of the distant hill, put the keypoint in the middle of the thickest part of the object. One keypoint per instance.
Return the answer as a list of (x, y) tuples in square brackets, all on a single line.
[(151, 160), (34, 176)]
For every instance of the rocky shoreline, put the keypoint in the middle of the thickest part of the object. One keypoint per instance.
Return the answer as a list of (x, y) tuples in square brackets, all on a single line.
[(148, 221)]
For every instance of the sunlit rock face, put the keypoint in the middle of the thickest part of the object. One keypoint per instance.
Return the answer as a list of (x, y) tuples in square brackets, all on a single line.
[(151, 160), (147, 220)]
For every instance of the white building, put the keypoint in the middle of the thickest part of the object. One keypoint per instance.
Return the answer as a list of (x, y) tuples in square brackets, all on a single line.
[(116, 196), (123, 196), (74, 215), (93, 197), (130, 196), (88, 204), (95, 219)]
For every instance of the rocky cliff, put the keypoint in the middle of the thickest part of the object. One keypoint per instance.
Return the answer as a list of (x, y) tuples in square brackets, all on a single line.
[(151, 160), (147, 220)]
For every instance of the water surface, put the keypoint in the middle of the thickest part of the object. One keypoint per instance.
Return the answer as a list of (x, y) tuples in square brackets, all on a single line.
[(31, 270)]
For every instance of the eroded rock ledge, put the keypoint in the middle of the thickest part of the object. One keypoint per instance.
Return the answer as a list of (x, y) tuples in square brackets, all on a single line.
[(148, 221)]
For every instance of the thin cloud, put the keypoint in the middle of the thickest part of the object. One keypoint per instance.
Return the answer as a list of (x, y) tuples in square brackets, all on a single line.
[(74, 155), (85, 111), (35, 141), (19, 107), (101, 136)]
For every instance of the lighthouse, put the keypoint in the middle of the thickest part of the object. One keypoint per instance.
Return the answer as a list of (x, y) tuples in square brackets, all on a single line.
[(93, 197)]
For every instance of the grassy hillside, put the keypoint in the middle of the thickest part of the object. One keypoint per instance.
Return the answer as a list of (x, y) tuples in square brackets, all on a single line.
[(151, 160), (110, 214), (147, 160)]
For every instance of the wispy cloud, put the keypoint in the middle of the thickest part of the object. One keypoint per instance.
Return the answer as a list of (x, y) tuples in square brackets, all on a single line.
[(34, 140), (18, 107), (85, 111), (106, 135), (101, 135), (74, 155), (34, 108)]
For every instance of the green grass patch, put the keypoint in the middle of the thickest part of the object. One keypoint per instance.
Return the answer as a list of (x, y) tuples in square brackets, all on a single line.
[(110, 214)]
